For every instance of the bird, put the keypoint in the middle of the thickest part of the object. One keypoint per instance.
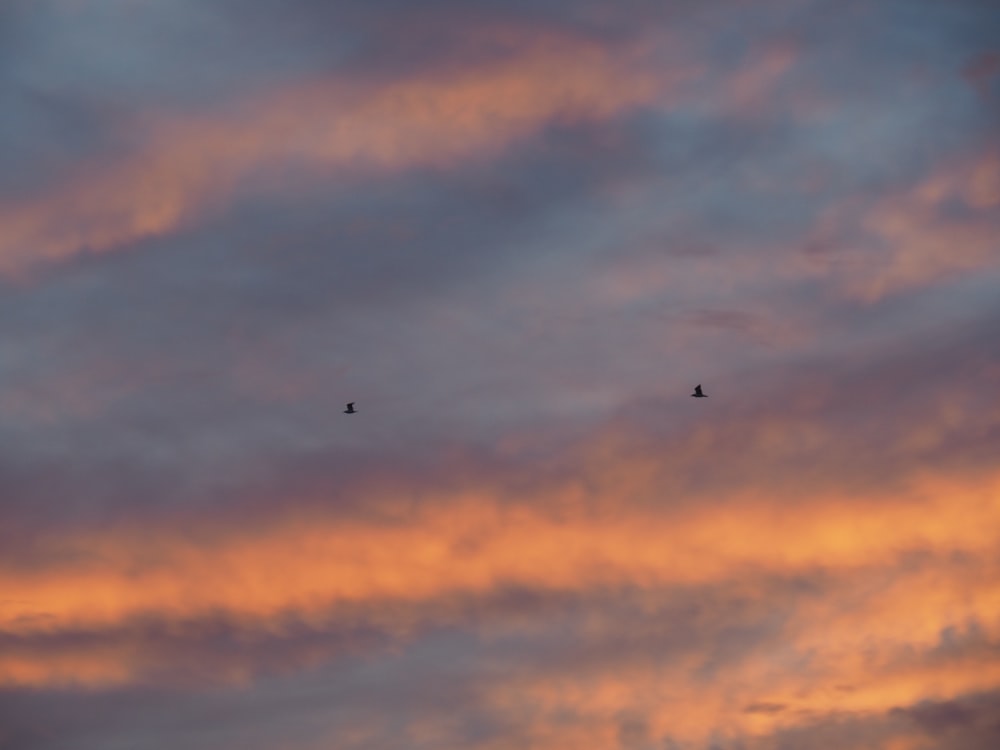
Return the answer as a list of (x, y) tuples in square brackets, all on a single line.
[(697, 393), (350, 409)]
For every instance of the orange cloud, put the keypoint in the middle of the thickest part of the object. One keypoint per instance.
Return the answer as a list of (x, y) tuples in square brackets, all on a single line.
[(90, 667), (945, 225), (476, 543), (897, 570), (813, 669), (190, 166)]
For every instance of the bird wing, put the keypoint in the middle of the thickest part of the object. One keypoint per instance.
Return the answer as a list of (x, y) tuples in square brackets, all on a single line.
[(697, 389)]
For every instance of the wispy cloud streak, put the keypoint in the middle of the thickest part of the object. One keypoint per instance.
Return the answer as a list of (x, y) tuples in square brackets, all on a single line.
[(187, 167)]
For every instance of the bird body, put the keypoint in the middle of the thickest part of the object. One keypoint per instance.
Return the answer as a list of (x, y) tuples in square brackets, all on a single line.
[(697, 393), (350, 409)]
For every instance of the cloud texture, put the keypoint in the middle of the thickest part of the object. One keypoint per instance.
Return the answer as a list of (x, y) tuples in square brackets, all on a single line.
[(517, 234)]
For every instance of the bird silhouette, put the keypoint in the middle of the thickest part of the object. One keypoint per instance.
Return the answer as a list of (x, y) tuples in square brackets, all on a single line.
[(350, 409), (697, 393)]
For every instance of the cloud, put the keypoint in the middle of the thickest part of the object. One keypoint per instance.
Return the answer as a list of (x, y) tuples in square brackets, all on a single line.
[(982, 70), (188, 166), (936, 718), (926, 233), (671, 574), (516, 234), (474, 541)]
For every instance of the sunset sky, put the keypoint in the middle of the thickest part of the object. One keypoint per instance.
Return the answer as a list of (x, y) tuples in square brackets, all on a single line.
[(517, 233)]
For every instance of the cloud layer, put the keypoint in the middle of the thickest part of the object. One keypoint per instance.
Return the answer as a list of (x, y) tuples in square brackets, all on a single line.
[(517, 235)]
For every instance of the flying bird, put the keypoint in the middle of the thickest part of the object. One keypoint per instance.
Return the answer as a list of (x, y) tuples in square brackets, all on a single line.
[(697, 393), (350, 409)]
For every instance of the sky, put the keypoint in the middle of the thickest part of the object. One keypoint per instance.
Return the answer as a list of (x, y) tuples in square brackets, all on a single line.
[(517, 234)]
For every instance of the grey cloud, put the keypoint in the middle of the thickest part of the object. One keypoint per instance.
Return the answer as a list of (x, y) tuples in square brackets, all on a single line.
[(383, 699), (175, 348), (939, 718), (966, 723)]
